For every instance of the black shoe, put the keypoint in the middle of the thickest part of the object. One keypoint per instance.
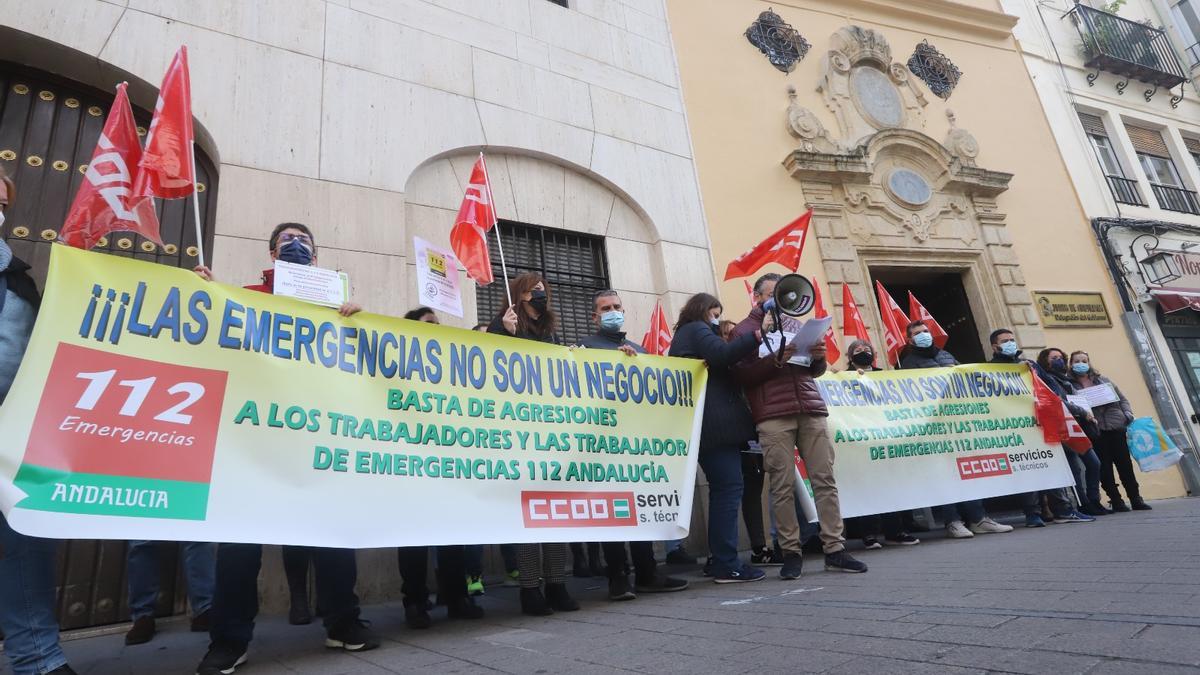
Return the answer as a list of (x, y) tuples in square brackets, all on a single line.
[(766, 557), (202, 621), (463, 608), (902, 539), (1090, 510), (62, 670), (1099, 509), (793, 564), (661, 584), (843, 562), (299, 614), (707, 570), (222, 659), (618, 589), (559, 599), (680, 556), (416, 616), (352, 636), (143, 631), (872, 543), (533, 603), (1139, 505), (1118, 506)]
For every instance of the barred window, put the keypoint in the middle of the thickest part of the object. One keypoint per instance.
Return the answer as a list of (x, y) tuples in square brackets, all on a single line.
[(575, 265)]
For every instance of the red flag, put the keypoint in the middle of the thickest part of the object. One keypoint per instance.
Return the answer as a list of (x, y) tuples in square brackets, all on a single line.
[(658, 338), (783, 247), (476, 216), (894, 323), (749, 292), (1049, 410), (1076, 439), (167, 169), (917, 312), (102, 204), (852, 321), (831, 345)]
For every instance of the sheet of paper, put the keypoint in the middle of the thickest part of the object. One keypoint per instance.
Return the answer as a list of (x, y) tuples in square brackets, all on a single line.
[(311, 284), (437, 277), (1080, 400), (810, 333), (1100, 394)]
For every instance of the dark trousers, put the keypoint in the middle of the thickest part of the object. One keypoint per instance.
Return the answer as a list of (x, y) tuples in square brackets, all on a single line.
[(414, 571), (752, 511), (1060, 504), (1114, 452), (235, 601), (642, 553), (1086, 468), (723, 468), (295, 568), (474, 557), (876, 524)]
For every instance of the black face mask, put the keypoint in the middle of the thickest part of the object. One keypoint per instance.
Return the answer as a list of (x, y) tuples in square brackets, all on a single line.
[(538, 301), (862, 358), (1058, 365)]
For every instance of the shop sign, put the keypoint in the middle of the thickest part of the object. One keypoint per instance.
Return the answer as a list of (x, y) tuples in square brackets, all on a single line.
[(1065, 309)]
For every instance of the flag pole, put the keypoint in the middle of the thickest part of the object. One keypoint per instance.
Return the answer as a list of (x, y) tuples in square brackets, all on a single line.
[(499, 242), (196, 207)]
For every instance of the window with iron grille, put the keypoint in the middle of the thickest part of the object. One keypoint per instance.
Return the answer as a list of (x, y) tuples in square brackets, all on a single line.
[(575, 265)]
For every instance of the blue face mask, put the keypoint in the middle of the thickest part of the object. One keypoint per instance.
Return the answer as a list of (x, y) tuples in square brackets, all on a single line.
[(1081, 368), (923, 340), (295, 252), (612, 321), (1008, 348)]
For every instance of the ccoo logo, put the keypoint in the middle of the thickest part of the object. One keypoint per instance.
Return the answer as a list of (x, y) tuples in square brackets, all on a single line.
[(983, 466), (578, 509)]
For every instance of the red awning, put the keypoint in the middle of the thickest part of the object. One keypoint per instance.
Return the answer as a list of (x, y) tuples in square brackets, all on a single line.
[(1176, 300)]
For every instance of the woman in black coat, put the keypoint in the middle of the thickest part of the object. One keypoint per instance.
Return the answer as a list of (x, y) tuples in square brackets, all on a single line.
[(726, 430)]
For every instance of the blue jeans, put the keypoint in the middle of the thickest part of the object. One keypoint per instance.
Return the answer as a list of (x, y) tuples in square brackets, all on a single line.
[(200, 567), (970, 512), (27, 595), (1086, 468), (723, 468)]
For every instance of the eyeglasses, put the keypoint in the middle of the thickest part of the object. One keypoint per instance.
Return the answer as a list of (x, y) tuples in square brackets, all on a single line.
[(287, 237)]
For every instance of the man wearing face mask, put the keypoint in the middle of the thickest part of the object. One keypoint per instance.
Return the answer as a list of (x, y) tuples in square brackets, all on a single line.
[(235, 598), (609, 316), (1005, 350)]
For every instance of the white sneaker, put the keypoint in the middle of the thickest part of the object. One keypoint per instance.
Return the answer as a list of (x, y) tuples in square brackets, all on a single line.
[(957, 530), (989, 526)]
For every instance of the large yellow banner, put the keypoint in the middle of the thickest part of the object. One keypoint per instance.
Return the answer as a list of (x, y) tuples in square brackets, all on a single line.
[(154, 405)]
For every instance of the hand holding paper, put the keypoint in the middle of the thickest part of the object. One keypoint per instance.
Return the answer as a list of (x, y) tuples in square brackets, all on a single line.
[(810, 334)]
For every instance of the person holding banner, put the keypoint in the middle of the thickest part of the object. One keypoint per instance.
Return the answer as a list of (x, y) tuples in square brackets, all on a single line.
[(1113, 414), (790, 415), (966, 519), (879, 528), (726, 429), (609, 316), (1085, 466), (27, 569), (425, 314), (235, 599), (531, 317), (1006, 350)]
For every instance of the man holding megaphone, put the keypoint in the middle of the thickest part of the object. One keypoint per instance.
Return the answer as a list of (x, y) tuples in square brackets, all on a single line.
[(790, 414)]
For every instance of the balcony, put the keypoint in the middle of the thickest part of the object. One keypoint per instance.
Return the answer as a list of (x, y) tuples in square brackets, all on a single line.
[(1127, 48), (1193, 53), (1125, 191), (1171, 198)]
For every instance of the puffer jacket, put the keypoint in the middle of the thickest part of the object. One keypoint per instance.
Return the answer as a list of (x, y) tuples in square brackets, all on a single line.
[(777, 389), (932, 357), (19, 302), (1113, 416), (727, 420)]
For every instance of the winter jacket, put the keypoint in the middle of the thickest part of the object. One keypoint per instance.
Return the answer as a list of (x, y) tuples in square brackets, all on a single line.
[(496, 327), (1065, 387), (1113, 416), (605, 339), (727, 421), (19, 302), (777, 389), (930, 357)]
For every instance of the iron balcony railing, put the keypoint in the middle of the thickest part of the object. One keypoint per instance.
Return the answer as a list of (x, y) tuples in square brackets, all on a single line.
[(1171, 198), (1193, 53), (1127, 48), (1125, 191)]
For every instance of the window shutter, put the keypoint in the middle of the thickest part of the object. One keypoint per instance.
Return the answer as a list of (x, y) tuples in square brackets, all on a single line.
[(1148, 141), (1193, 145), (1092, 124)]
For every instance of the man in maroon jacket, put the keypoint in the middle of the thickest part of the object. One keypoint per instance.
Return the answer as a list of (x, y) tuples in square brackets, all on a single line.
[(790, 414)]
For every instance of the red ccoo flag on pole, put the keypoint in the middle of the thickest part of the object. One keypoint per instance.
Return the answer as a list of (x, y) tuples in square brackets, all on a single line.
[(658, 338), (833, 353), (894, 323), (852, 321), (166, 164), (476, 216), (783, 247), (917, 312), (102, 204)]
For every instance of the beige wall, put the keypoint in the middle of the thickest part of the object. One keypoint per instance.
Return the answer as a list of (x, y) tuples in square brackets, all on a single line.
[(736, 102)]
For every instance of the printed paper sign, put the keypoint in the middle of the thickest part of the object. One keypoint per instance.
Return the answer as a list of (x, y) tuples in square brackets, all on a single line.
[(1099, 395), (437, 277), (311, 284)]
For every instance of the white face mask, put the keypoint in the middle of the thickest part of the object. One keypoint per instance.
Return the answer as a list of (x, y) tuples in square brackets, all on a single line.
[(1, 219)]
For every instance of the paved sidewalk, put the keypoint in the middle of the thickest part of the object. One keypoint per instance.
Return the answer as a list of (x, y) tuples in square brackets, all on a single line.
[(1118, 596)]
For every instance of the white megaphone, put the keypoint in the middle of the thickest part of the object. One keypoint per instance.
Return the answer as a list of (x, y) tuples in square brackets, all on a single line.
[(794, 295)]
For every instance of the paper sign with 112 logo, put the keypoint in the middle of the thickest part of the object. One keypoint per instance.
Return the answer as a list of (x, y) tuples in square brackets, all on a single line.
[(116, 435)]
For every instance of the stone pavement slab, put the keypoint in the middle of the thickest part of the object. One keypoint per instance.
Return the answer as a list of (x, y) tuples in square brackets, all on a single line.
[(1115, 597)]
